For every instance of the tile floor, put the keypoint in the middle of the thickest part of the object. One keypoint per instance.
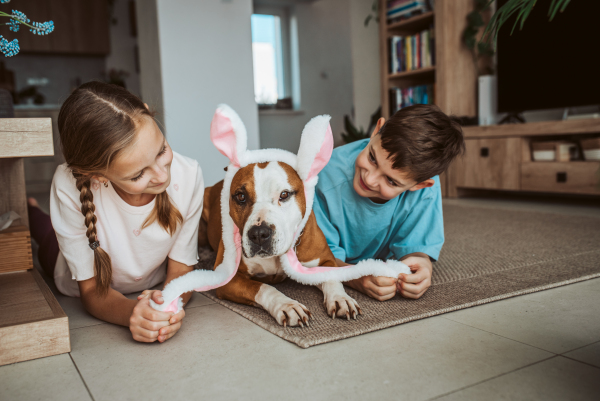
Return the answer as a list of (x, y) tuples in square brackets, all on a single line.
[(542, 346)]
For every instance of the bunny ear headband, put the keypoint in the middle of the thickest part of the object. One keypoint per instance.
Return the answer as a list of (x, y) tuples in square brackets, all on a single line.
[(228, 134)]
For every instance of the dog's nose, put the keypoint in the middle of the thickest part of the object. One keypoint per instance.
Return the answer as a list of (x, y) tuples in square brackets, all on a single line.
[(260, 234)]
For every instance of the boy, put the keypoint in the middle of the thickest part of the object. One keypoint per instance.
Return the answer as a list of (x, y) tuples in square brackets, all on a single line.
[(380, 198)]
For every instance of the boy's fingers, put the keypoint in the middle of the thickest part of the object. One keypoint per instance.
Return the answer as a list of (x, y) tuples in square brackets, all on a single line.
[(382, 292), (384, 281), (414, 288), (416, 277)]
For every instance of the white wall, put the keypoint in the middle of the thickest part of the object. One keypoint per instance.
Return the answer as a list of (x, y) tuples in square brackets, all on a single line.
[(122, 46), (366, 70), (205, 55), (339, 70)]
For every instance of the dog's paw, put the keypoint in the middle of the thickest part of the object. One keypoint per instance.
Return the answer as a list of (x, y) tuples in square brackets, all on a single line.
[(292, 314), (338, 303)]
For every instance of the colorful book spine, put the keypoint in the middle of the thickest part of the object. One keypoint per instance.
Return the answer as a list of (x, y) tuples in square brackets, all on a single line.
[(404, 97), (412, 52)]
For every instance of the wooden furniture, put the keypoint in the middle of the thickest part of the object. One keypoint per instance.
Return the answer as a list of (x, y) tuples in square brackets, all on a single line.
[(81, 27), (32, 323), (454, 74), (498, 157), (39, 171)]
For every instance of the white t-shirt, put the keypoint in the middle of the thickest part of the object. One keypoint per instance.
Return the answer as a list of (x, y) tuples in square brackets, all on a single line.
[(139, 257)]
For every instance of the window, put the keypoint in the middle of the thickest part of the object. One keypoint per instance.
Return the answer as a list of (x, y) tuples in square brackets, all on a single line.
[(268, 58), (273, 44)]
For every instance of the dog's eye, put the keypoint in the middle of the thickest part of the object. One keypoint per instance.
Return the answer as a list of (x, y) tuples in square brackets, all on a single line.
[(240, 197), (284, 195)]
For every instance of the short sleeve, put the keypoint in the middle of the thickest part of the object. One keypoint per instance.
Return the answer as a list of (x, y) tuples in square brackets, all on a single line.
[(324, 222), (69, 224), (185, 248), (422, 230)]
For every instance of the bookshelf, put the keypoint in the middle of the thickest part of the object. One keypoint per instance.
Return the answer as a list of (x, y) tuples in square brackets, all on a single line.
[(453, 76)]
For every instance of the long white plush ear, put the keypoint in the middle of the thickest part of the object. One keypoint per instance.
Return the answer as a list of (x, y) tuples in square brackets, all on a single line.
[(228, 134), (316, 146)]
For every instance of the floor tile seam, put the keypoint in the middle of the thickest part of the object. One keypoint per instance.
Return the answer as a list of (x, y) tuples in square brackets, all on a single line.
[(522, 266), (493, 377), (500, 335), (583, 346), (580, 361), (200, 306), (91, 325), (528, 210), (81, 376)]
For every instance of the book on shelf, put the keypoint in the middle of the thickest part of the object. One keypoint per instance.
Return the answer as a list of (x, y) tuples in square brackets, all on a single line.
[(404, 97), (399, 10), (412, 52)]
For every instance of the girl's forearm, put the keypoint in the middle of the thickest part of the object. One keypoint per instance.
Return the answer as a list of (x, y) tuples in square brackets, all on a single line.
[(114, 307), (176, 269)]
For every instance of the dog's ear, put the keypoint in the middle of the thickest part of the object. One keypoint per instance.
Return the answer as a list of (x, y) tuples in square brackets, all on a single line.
[(228, 134), (316, 146)]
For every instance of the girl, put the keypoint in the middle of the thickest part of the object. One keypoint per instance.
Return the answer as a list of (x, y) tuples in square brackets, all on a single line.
[(125, 210)]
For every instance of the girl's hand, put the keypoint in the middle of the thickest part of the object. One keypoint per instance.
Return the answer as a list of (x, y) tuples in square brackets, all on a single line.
[(145, 322), (414, 285), (379, 288), (174, 322)]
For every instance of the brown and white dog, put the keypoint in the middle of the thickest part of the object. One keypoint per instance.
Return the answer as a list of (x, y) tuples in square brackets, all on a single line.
[(259, 219), (267, 203)]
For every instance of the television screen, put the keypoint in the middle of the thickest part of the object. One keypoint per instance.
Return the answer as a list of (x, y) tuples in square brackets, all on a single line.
[(550, 64)]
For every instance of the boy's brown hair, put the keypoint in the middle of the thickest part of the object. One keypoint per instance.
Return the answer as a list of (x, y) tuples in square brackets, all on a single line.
[(422, 141)]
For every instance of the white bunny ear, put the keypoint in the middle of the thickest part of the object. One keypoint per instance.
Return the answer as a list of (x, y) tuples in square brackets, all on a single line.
[(316, 146), (228, 134)]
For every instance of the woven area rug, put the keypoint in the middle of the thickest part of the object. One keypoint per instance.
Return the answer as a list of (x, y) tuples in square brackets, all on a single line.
[(489, 255)]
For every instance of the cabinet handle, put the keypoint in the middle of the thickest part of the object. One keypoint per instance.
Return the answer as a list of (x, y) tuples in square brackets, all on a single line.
[(485, 152), (561, 177)]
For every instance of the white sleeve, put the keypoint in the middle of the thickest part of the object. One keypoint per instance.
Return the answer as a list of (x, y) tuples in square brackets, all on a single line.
[(69, 224), (185, 248)]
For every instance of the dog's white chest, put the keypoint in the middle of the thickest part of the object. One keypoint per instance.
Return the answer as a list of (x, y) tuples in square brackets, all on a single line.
[(261, 267)]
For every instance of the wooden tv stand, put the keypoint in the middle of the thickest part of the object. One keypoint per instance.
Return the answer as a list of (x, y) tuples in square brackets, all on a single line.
[(498, 157)]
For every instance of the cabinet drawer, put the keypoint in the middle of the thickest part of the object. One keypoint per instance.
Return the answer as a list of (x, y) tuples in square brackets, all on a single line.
[(573, 177), (490, 164)]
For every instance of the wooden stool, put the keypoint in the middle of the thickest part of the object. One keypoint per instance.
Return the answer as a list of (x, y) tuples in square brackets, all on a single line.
[(32, 323)]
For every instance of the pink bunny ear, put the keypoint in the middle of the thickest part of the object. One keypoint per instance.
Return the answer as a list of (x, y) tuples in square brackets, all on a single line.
[(228, 134), (316, 146)]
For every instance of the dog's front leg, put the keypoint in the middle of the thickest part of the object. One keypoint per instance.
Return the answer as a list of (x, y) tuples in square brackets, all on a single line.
[(285, 310), (242, 289), (337, 302)]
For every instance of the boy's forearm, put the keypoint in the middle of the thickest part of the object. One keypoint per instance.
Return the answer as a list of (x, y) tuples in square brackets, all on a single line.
[(175, 270)]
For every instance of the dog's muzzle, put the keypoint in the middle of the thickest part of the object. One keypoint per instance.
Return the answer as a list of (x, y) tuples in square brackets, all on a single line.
[(261, 240)]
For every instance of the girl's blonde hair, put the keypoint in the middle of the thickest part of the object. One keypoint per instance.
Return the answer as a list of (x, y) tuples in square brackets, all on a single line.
[(96, 122)]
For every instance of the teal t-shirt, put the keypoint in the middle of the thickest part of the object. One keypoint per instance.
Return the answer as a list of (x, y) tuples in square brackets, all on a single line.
[(357, 228)]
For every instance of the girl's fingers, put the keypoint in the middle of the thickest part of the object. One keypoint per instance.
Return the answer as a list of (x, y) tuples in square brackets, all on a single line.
[(152, 325), (172, 329), (178, 317), (144, 335), (152, 314), (157, 297)]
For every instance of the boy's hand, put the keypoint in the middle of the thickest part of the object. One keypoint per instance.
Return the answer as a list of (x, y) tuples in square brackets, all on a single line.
[(379, 288), (174, 322), (414, 285)]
